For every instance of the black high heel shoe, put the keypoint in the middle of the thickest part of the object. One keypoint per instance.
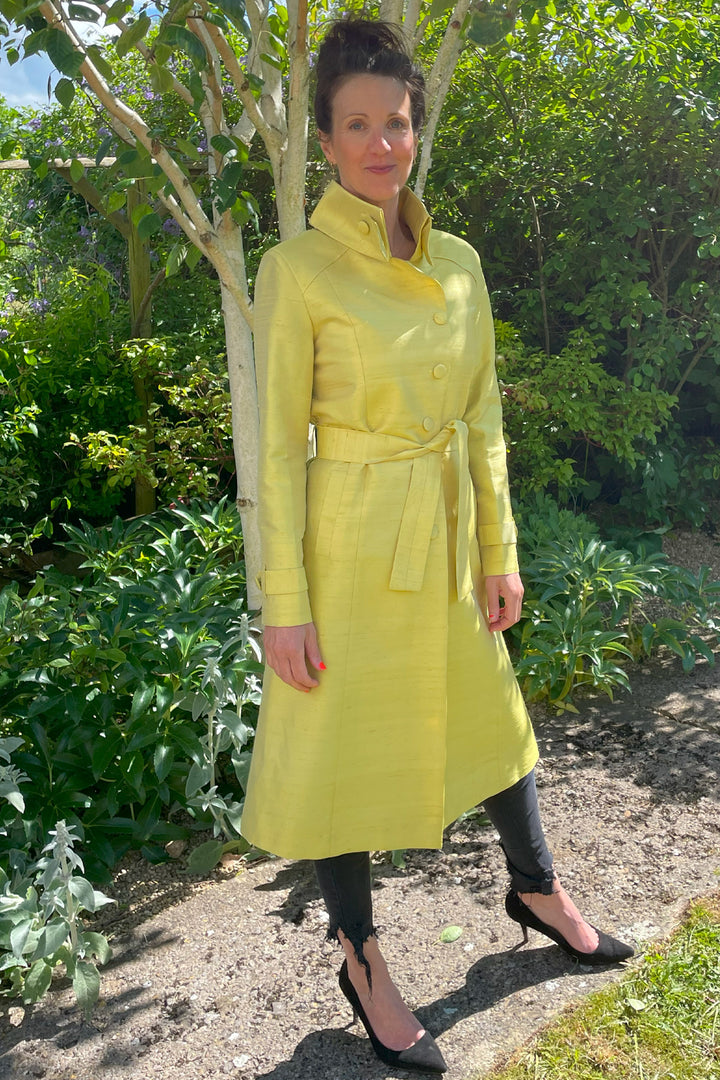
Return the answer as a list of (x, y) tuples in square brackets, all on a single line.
[(609, 950), (424, 1055)]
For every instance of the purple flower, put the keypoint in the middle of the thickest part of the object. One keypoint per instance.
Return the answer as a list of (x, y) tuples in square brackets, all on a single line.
[(53, 142), (31, 204), (171, 226), (4, 334), (103, 132), (148, 95), (35, 123), (84, 231), (39, 306), (12, 295)]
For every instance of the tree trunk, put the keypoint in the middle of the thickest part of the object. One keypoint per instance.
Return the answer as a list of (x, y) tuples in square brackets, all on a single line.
[(243, 396)]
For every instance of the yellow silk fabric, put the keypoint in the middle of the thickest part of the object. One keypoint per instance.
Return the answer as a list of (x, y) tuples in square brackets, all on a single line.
[(383, 539)]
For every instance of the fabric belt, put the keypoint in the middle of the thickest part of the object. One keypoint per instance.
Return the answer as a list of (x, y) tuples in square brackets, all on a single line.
[(426, 482)]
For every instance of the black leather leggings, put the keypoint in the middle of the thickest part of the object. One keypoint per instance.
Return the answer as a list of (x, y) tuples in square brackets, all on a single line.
[(345, 879)]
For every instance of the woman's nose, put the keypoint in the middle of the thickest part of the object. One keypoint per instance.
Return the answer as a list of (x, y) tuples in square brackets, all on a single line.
[(379, 141)]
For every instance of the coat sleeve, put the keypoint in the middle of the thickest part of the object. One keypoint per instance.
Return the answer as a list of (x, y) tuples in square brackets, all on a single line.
[(496, 532), (284, 352)]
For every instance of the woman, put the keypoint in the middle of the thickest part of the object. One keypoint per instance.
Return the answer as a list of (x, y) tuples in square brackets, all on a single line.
[(390, 704)]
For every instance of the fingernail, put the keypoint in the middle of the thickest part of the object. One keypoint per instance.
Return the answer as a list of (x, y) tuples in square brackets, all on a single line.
[(322, 666)]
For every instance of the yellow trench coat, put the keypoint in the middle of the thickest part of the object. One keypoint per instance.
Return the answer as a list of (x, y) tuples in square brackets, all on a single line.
[(383, 538)]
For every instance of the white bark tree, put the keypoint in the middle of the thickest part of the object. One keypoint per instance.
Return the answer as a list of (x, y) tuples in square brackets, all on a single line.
[(199, 53)]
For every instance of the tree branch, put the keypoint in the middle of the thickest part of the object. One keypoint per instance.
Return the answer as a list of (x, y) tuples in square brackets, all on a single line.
[(194, 221), (180, 89), (438, 86), (272, 138)]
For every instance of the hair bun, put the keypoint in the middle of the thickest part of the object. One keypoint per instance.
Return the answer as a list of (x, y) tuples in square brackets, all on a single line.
[(365, 47)]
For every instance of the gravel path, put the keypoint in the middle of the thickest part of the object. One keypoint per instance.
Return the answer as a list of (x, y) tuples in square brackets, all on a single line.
[(231, 976)]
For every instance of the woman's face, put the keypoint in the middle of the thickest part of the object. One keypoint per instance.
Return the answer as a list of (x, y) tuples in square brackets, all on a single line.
[(372, 141)]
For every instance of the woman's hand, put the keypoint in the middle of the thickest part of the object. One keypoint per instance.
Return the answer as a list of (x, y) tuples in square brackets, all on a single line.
[(509, 588), (289, 650)]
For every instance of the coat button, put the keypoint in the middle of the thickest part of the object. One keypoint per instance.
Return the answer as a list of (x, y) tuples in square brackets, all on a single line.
[(363, 227), (440, 318), (428, 423), (439, 371)]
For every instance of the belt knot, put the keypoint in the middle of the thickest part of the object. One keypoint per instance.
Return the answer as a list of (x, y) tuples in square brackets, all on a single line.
[(426, 481)]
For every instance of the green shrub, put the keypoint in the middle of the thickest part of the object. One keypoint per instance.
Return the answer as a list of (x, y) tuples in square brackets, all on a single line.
[(41, 925), (588, 605), (557, 407), (108, 680)]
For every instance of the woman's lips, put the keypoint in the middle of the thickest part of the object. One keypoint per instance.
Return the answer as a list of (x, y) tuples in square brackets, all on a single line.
[(379, 168)]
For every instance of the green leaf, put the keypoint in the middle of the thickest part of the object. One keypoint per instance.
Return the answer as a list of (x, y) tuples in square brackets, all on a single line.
[(102, 151), (193, 257), (100, 61), (118, 10), (181, 38), (37, 982), (450, 933), (86, 984), (636, 1004), (235, 10), (96, 945), (63, 53), (65, 92), (488, 27), (223, 144), (161, 78), (439, 7), (175, 259), (116, 201), (77, 170), (18, 938), (14, 797), (198, 776), (398, 858), (241, 765), (143, 696), (53, 937), (188, 148), (36, 42), (83, 13), (140, 211), (163, 760), (272, 61), (204, 857), (83, 892), (149, 225), (133, 35)]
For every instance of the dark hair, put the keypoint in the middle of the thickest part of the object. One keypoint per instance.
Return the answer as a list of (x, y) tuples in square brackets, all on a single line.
[(365, 47)]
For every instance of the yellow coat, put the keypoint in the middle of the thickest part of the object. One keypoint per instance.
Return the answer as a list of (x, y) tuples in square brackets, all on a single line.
[(382, 539)]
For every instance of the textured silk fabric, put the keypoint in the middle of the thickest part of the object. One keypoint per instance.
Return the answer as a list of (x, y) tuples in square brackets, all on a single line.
[(383, 539)]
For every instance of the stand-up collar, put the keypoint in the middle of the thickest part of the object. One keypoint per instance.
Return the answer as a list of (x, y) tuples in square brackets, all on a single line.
[(361, 226)]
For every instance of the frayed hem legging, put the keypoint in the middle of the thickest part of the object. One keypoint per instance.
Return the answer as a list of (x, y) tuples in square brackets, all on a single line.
[(345, 879)]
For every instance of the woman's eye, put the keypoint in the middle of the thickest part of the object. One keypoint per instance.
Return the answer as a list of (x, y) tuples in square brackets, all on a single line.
[(397, 124), (356, 125)]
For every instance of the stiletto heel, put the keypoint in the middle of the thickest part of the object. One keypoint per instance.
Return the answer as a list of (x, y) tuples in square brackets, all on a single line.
[(424, 1055), (609, 950)]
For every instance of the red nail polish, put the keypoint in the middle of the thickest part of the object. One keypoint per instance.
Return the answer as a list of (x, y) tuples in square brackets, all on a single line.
[(322, 666)]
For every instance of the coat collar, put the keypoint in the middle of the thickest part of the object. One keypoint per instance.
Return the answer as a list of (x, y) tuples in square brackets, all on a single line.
[(361, 226)]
